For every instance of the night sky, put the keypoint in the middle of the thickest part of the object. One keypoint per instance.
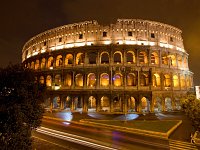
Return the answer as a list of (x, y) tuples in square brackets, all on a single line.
[(22, 19)]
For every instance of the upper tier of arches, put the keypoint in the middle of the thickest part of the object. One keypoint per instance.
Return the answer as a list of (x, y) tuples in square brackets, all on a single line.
[(124, 32)]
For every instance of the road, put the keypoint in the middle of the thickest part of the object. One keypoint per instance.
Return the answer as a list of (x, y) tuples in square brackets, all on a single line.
[(103, 138)]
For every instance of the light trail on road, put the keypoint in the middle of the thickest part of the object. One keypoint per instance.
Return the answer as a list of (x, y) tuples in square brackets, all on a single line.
[(74, 138)]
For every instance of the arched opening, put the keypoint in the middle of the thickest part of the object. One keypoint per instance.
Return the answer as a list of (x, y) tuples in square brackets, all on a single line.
[(91, 80), (182, 81), (92, 57), (117, 104), (118, 79), (59, 61), (168, 104), (131, 104), (77, 104), (167, 80), (177, 103), (143, 58), (175, 81), (57, 80), (164, 59), (92, 104), (117, 57), (130, 57), (154, 58), (104, 79), (173, 60), (144, 79), (67, 104), (37, 64), (32, 65), (105, 104), (56, 102), (50, 62), (79, 59), (156, 80), (185, 63), (144, 104), (69, 59), (42, 79), (48, 81), (179, 61), (68, 80), (43, 63), (79, 80), (157, 104), (104, 58), (131, 79)]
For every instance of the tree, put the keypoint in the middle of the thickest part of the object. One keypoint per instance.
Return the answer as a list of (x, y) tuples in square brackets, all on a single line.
[(21, 109), (191, 106)]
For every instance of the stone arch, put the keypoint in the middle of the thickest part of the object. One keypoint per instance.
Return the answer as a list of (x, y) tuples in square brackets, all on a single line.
[(56, 102), (104, 58), (168, 104), (41, 79), (79, 59), (143, 59), (58, 80), (59, 61), (78, 103), (43, 61), (157, 104), (67, 103), (177, 103), (131, 104), (144, 79), (154, 58), (180, 61), (144, 104), (117, 104), (167, 80), (105, 104), (130, 57), (104, 79), (92, 104), (49, 81), (182, 79), (68, 80), (175, 81), (156, 80), (37, 64), (118, 79), (165, 59), (131, 79), (91, 80), (117, 57), (185, 62), (50, 62), (69, 59), (173, 60), (32, 65), (79, 80), (92, 58)]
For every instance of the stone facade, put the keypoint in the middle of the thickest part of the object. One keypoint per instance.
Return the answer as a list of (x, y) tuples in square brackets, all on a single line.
[(131, 66)]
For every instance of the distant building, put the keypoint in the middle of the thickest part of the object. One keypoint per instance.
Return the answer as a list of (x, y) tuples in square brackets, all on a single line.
[(197, 90), (133, 65)]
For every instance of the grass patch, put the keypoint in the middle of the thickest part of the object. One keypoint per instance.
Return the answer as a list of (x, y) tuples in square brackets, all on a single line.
[(157, 126)]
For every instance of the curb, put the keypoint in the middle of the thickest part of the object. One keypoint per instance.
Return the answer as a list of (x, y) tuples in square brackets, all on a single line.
[(154, 134)]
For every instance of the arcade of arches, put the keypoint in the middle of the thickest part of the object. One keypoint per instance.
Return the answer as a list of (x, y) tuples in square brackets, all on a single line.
[(117, 103)]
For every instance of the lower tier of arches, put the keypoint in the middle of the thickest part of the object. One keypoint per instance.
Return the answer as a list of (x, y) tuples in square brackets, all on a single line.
[(114, 101)]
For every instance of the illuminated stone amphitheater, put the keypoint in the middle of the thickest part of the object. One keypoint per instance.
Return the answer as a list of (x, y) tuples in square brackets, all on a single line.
[(133, 65)]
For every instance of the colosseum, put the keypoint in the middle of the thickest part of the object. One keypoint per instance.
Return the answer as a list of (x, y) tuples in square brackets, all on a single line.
[(131, 66)]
